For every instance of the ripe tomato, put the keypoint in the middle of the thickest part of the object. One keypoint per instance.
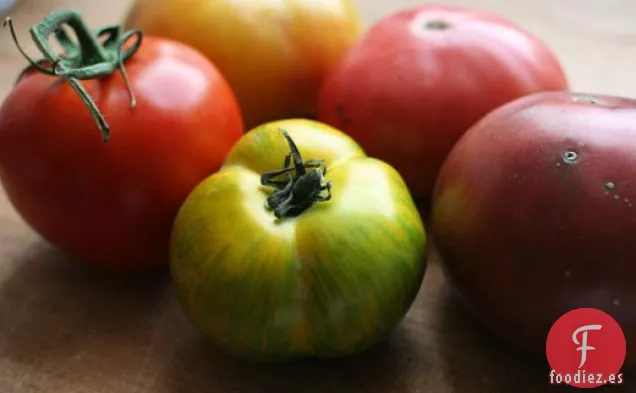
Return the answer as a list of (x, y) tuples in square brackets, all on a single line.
[(420, 77), (112, 204), (533, 215), (274, 53), (328, 278)]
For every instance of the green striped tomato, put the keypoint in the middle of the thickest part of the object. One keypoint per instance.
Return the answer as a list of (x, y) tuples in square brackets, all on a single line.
[(268, 276)]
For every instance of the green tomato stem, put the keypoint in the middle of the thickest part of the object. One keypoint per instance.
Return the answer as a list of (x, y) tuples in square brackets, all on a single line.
[(95, 54), (299, 191)]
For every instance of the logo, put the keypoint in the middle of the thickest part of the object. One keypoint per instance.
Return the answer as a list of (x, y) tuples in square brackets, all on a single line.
[(586, 348)]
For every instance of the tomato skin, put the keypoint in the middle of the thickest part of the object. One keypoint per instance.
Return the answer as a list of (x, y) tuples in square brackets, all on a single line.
[(526, 230), (112, 204), (331, 282), (275, 54), (407, 93)]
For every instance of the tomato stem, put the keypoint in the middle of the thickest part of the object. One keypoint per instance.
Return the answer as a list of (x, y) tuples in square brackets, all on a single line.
[(299, 191), (437, 24), (95, 54)]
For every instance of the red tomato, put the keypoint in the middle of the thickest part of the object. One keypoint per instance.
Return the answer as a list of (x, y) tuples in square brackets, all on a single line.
[(421, 77), (112, 204), (533, 215)]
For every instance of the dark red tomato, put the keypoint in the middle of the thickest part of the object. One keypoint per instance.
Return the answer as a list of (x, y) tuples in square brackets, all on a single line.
[(421, 77), (534, 214), (112, 204)]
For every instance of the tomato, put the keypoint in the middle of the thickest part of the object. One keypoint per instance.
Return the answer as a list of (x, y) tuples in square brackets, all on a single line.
[(274, 53), (420, 77), (533, 215), (325, 268), (112, 204)]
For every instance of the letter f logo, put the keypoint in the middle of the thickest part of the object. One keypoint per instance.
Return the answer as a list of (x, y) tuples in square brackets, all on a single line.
[(574, 330), (583, 343)]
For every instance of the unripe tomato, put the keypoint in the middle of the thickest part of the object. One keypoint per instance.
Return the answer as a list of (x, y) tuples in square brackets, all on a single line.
[(273, 264), (420, 77), (274, 53)]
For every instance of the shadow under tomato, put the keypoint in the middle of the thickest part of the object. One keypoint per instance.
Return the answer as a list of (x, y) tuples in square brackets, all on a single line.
[(197, 366), (424, 206), (480, 362), (55, 310)]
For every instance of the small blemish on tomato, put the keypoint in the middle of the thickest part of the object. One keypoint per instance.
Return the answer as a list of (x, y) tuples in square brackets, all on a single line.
[(610, 188), (340, 109), (570, 157), (591, 100)]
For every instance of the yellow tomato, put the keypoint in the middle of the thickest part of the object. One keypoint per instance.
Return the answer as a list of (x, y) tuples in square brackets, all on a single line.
[(274, 53)]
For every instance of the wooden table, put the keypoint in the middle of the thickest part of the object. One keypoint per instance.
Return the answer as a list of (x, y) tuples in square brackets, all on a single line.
[(69, 329)]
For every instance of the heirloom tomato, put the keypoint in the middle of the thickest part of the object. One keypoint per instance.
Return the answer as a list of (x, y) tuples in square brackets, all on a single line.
[(420, 77), (274, 53), (299, 246), (533, 215), (112, 204)]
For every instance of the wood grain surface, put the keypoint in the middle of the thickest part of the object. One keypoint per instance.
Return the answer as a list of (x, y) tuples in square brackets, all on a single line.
[(70, 329)]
